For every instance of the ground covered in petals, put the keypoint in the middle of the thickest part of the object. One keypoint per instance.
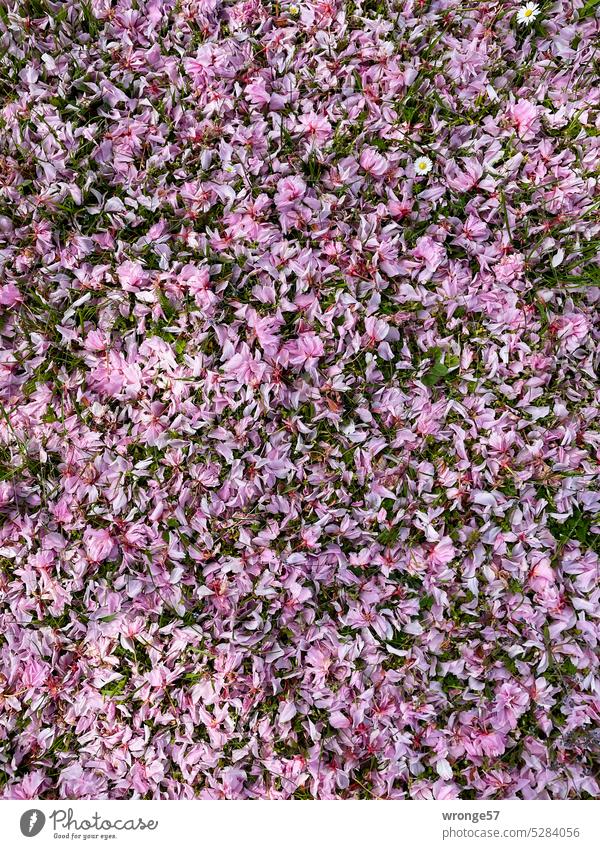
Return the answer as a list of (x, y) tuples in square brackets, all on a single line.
[(299, 416)]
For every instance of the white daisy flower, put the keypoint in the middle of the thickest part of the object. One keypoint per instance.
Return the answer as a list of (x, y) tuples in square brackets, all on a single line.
[(423, 165), (528, 13)]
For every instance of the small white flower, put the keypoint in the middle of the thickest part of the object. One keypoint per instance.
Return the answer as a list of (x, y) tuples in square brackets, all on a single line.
[(528, 13), (423, 165), (294, 10)]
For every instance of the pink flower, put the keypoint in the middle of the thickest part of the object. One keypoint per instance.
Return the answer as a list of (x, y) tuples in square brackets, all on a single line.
[(266, 331), (430, 252), (442, 552), (303, 350), (466, 178), (509, 269), (34, 674), (287, 711), (98, 544), (487, 744), (524, 116), (315, 127), (200, 66), (10, 295), (131, 275), (373, 162), (245, 366), (95, 341), (7, 492), (290, 190), (541, 575), (512, 701), (376, 330), (339, 720), (31, 787), (571, 330), (197, 280), (62, 511), (257, 93)]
